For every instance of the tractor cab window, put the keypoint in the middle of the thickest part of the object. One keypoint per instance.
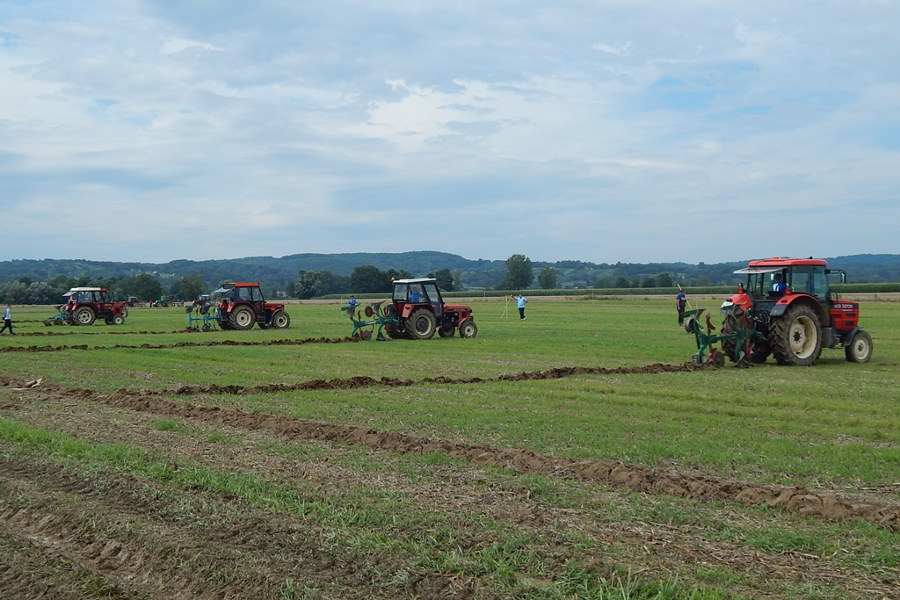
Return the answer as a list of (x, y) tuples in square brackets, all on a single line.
[(400, 291), (809, 281), (431, 292)]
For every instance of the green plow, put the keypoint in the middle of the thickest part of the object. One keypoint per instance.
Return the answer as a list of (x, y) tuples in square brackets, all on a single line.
[(736, 337), (366, 318)]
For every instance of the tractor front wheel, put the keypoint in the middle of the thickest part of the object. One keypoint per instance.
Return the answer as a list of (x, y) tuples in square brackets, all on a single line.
[(84, 316), (796, 338), (242, 318), (860, 348), (468, 329), (280, 320), (447, 330), (422, 324)]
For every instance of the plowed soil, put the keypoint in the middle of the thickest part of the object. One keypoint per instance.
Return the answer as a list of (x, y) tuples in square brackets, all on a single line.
[(77, 532)]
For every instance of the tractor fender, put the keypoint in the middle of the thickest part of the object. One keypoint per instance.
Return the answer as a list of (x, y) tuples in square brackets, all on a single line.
[(789, 300)]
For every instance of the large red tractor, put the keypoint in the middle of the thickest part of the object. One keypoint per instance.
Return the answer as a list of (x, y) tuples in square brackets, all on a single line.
[(240, 305), (418, 311), (787, 308)]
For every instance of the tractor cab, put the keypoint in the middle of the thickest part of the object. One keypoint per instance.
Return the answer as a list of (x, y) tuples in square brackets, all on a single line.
[(411, 293)]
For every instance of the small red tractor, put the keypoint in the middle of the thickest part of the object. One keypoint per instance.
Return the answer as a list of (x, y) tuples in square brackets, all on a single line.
[(84, 305), (785, 308), (240, 305), (415, 311)]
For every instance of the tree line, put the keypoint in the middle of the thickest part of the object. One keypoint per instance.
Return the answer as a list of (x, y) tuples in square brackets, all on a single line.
[(517, 273)]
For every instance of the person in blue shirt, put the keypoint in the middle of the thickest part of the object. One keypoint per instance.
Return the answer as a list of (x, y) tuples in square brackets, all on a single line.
[(680, 303), (778, 287), (520, 304), (7, 320)]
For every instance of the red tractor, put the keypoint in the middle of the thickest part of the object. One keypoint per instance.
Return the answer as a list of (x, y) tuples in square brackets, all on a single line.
[(787, 309), (418, 311), (84, 305), (240, 305)]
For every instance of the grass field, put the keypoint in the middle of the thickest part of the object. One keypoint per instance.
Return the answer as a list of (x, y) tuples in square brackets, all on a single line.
[(152, 462)]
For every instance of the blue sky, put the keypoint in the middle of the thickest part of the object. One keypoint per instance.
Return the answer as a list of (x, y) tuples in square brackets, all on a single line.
[(623, 130)]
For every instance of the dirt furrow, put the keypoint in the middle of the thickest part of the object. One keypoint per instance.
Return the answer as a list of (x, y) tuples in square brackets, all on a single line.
[(802, 501), (282, 342)]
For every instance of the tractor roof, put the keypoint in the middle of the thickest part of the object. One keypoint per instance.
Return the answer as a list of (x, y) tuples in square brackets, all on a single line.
[(85, 289), (230, 284), (779, 262), (416, 280)]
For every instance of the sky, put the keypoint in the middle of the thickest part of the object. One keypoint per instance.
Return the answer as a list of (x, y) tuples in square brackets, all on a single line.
[(622, 130)]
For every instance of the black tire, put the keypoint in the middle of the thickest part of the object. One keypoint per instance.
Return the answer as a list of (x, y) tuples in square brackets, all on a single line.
[(280, 320), (422, 324), (242, 318), (393, 331), (796, 337), (860, 348), (446, 330), (84, 315), (468, 329)]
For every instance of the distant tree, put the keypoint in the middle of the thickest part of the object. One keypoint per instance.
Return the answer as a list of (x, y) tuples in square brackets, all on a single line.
[(368, 278), (519, 273), (665, 280), (457, 280), (444, 280), (392, 274), (547, 278), (190, 287), (622, 282), (144, 287), (315, 283)]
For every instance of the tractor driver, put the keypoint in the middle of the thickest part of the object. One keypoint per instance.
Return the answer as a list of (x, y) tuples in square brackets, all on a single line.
[(778, 287)]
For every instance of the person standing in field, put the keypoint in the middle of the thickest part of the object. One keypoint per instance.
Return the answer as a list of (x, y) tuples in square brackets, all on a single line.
[(520, 304), (680, 303), (7, 320)]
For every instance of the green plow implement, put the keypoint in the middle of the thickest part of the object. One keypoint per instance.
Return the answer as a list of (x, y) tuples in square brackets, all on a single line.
[(366, 318), (736, 337)]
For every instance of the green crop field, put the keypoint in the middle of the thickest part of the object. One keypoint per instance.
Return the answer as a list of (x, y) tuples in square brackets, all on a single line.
[(296, 464)]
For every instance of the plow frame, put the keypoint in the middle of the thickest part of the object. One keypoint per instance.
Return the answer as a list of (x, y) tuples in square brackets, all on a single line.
[(740, 331), (207, 316), (366, 318)]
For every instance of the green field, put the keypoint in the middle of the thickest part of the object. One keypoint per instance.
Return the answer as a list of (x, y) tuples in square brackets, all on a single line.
[(423, 524)]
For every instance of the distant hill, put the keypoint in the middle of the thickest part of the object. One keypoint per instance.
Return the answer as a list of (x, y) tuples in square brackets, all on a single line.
[(276, 273)]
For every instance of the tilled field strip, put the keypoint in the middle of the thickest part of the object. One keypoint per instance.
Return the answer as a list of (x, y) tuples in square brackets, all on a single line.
[(797, 500)]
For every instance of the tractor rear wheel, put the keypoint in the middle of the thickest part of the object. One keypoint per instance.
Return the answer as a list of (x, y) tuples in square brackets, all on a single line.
[(796, 338), (242, 318), (468, 329), (84, 316), (860, 348), (280, 320), (422, 324)]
